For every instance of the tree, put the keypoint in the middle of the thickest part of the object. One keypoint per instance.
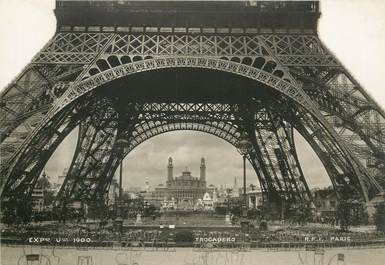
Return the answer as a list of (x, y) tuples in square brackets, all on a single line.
[(343, 214), (24, 211), (48, 197), (97, 210), (263, 225), (149, 209), (379, 217), (9, 212), (222, 210), (16, 211), (351, 213), (43, 182)]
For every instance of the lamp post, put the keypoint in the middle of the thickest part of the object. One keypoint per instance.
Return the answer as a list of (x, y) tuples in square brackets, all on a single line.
[(121, 145), (228, 216), (244, 147)]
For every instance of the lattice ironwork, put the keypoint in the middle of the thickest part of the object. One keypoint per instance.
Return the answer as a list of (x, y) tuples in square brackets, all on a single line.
[(317, 96), (91, 161), (348, 174), (149, 121), (358, 120), (37, 155)]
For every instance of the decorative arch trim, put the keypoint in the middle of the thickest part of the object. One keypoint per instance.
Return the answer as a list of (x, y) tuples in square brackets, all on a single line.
[(224, 131), (92, 82), (291, 90)]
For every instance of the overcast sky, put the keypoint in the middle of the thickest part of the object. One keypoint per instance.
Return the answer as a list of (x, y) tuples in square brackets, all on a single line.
[(354, 30)]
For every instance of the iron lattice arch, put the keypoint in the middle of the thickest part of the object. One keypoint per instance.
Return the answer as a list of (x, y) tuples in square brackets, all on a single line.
[(309, 90)]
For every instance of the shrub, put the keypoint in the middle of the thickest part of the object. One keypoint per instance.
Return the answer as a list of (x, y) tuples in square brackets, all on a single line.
[(184, 236), (379, 217)]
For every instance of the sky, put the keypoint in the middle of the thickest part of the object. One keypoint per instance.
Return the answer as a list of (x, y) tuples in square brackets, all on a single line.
[(354, 30)]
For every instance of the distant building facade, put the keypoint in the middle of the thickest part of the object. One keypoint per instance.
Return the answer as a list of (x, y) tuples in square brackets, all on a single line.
[(38, 198), (254, 198), (186, 190), (182, 192), (157, 196)]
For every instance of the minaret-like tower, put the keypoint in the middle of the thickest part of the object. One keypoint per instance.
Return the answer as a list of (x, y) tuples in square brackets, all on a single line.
[(147, 185), (235, 188), (170, 169), (203, 170)]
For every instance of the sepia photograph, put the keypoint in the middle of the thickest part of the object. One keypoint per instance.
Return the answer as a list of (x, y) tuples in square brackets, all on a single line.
[(187, 132)]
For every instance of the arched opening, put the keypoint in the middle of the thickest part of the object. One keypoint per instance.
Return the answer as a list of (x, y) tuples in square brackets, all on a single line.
[(179, 87), (149, 160), (187, 85)]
